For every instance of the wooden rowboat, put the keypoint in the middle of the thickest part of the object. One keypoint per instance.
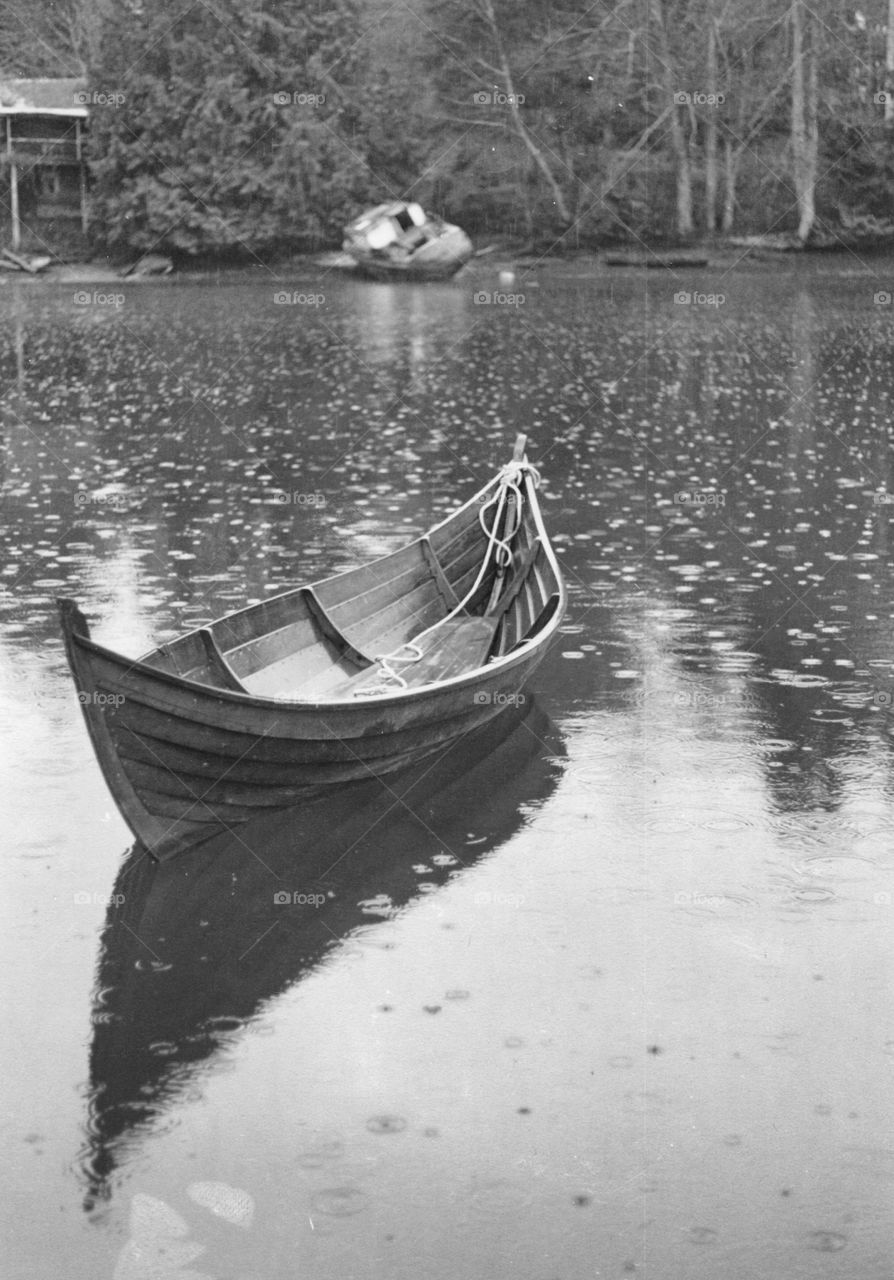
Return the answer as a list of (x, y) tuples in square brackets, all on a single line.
[(328, 684)]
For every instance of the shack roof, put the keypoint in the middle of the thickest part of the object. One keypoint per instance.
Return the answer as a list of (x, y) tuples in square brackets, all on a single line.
[(43, 97)]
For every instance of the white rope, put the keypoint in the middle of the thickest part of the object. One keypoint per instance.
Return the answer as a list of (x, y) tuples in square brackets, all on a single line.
[(385, 671), (508, 480)]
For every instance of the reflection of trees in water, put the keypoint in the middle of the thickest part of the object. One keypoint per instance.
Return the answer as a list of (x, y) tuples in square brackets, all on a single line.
[(802, 381), (189, 405), (803, 765), (193, 949), (831, 465), (822, 756), (799, 463)]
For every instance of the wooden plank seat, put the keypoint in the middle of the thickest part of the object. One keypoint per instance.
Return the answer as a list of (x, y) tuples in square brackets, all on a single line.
[(307, 650), (220, 671)]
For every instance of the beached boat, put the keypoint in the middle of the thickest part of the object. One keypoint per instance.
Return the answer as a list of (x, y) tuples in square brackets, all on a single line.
[(401, 241), (328, 684)]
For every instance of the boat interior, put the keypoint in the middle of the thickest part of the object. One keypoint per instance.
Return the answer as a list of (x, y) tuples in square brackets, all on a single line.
[(342, 638)]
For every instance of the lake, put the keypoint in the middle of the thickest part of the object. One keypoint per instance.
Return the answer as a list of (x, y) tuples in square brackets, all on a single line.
[(604, 991)]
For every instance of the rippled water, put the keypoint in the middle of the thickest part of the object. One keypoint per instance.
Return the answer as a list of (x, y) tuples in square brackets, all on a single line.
[(606, 992)]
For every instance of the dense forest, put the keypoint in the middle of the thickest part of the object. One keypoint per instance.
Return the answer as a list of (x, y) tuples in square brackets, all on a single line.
[(257, 126)]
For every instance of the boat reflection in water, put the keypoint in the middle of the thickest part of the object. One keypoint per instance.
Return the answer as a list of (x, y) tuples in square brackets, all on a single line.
[(193, 949)]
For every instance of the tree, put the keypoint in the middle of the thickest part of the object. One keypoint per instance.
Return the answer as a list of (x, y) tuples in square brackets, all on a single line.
[(711, 128), (805, 129), (224, 127), (669, 79), (229, 127), (52, 38), (492, 88), (753, 121), (889, 67)]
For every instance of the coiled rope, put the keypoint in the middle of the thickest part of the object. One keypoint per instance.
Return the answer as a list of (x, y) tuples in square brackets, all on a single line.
[(508, 481)]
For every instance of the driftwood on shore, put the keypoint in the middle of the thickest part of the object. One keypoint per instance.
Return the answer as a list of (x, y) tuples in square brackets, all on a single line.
[(151, 264), (655, 261), (16, 262), (778, 242)]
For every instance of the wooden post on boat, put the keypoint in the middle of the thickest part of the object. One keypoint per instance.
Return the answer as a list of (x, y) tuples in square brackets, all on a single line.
[(518, 455)]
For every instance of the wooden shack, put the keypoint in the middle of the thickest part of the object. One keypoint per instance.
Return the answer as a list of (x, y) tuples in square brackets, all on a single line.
[(45, 175)]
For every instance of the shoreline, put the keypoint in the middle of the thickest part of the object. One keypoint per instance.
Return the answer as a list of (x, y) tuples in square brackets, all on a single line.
[(610, 262)]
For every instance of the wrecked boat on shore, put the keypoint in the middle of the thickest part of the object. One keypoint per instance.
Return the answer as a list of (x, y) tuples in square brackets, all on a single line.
[(400, 240)]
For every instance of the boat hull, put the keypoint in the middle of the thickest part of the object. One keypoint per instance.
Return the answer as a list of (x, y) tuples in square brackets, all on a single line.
[(184, 763), (445, 258)]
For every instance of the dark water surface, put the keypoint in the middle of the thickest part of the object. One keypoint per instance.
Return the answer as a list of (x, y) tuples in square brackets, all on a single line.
[(606, 991)]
